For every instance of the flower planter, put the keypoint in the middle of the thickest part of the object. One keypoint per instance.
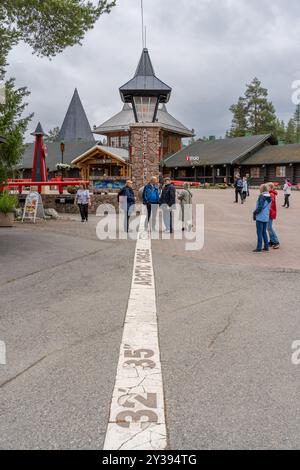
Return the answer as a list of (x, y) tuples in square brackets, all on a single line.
[(7, 220)]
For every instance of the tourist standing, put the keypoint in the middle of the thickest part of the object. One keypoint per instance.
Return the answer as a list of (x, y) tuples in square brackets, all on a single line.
[(245, 189), (167, 201), (151, 201), (185, 198), (83, 200), (262, 216), (126, 199), (248, 183), (287, 189), (274, 241), (238, 189)]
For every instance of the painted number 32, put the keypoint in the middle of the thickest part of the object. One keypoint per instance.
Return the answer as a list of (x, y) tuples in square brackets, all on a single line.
[(138, 358)]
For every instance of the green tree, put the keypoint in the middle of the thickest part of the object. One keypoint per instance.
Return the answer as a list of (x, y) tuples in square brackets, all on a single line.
[(290, 135), (297, 123), (48, 26), (280, 130), (261, 114), (52, 135), (254, 113), (239, 120), (13, 125)]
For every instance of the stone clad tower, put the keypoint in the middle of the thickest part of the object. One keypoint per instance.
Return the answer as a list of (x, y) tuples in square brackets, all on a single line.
[(145, 92)]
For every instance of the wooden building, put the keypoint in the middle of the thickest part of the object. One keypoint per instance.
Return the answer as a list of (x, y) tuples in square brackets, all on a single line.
[(219, 161)]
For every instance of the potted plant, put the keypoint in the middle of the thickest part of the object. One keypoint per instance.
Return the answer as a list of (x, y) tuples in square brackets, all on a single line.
[(8, 204)]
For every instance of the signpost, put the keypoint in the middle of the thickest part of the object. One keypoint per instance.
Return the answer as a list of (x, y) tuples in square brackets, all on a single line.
[(33, 207)]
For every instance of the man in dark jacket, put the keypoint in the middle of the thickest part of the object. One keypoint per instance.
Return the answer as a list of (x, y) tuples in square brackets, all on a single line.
[(239, 189), (151, 201), (167, 201), (126, 199)]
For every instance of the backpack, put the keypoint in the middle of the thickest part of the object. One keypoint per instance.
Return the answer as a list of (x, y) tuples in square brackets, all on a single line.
[(240, 184)]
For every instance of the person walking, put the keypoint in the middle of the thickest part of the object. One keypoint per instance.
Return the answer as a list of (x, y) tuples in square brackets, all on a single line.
[(287, 189), (167, 201), (245, 189), (83, 200), (262, 215), (126, 199), (151, 201), (248, 183), (185, 198), (238, 189), (274, 241)]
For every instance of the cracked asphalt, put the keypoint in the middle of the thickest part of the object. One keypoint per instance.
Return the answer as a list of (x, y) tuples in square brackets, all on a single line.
[(226, 329)]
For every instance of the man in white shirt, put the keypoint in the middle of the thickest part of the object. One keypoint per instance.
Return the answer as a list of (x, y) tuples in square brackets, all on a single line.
[(83, 200)]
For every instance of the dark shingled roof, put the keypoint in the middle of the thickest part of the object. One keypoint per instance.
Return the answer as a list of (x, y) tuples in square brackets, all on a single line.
[(145, 80), (39, 130), (72, 151), (125, 118), (217, 152), (275, 154), (76, 125)]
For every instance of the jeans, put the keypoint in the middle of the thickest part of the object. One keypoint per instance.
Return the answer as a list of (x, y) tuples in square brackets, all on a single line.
[(168, 218), (261, 229), (238, 192), (151, 215), (273, 236), (287, 200), (84, 211)]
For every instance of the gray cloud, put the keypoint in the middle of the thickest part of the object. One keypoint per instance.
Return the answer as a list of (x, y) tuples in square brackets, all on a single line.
[(207, 50)]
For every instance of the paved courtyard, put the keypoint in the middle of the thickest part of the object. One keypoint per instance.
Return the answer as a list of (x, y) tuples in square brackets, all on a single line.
[(227, 319)]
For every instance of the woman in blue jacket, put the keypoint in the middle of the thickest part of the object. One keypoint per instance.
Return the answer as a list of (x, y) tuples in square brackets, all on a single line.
[(262, 216)]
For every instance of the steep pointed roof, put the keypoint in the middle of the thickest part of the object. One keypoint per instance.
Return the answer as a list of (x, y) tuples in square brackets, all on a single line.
[(76, 125), (145, 82), (39, 130)]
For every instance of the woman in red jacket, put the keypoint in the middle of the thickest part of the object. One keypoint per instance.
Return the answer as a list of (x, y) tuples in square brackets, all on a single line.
[(274, 241)]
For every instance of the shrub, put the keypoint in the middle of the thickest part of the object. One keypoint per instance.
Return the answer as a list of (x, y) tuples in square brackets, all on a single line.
[(72, 189), (8, 203)]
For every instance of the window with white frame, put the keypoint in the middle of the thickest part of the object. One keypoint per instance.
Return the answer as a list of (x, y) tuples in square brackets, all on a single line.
[(280, 172), (255, 172)]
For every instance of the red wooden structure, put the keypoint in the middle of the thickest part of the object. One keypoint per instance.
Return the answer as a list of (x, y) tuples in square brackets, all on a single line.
[(57, 183)]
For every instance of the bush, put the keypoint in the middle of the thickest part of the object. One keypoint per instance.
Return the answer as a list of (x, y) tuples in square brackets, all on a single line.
[(8, 203), (72, 189)]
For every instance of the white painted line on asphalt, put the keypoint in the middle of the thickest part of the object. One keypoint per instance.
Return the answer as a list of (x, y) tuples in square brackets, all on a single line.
[(137, 414)]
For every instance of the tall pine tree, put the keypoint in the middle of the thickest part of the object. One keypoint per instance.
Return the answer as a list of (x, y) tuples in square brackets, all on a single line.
[(253, 113), (239, 120), (13, 125), (297, 123), (280, 130), (290, 135)]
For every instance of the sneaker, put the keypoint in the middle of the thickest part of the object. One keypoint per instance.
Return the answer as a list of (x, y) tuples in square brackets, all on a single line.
[(266, 249), (257, 251), (276, 246), (271, 244)]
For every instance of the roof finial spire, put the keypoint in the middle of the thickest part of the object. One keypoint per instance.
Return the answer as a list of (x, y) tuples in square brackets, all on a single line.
[(142, 13)]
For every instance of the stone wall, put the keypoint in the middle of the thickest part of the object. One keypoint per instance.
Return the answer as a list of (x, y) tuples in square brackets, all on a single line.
[(50, 202), (145, 150)]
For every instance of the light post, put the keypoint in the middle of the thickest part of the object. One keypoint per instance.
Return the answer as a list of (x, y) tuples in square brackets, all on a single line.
[(62, 149)]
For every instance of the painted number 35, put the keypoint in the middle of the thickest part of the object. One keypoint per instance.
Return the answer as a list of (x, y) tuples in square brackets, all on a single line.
[(138, 358)]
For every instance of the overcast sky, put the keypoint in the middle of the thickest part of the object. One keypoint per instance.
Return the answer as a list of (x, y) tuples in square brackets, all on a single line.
[(206, 50)]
